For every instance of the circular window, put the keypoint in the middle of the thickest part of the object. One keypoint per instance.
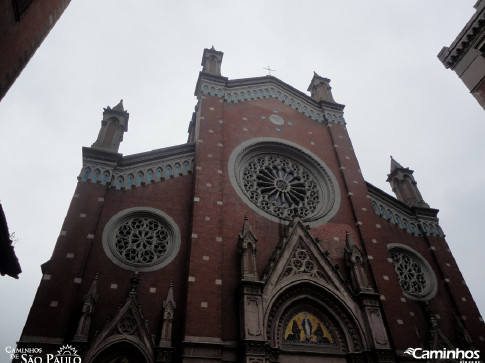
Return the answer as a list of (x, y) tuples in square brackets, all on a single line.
[(141, 239), (415, 275), (279, 179)]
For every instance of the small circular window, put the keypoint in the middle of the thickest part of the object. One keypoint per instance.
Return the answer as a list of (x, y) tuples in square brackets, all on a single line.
[(415, 275), (141, 239)]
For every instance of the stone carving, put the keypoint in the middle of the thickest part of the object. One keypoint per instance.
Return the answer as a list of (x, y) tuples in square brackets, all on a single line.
[(280, 180), (141, 240), (169, 306), (243, 93), (89, 302), (302, 263), (279, 185), (355, 264), (132, 177), (253, 321), (415, 277), (247, 249), (126, 325)]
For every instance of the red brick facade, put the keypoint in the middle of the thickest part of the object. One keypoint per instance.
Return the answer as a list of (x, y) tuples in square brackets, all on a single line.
[(340, 272)]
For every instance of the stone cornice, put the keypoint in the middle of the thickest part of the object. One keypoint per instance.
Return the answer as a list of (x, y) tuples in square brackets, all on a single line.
[(138, 169), (247, 89), (414, 215), (466, 39)]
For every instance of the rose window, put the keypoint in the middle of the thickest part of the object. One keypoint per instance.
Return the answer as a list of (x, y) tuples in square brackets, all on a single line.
[(141, 239), (279, 181), (415, 276), (280, 186)]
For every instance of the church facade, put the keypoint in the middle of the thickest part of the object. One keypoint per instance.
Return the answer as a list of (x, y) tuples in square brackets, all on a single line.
[(258, 240)]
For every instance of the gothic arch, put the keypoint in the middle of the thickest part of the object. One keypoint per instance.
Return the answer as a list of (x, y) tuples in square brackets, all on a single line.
[(335, 317), (117, 347)]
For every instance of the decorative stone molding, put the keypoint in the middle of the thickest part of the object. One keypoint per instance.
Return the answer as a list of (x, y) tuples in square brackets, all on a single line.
[(468, 38), (416, 221), (137, 170), (236, 91)]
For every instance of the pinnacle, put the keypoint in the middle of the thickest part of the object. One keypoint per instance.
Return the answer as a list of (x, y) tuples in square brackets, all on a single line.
[(119, 106), (395, 165)]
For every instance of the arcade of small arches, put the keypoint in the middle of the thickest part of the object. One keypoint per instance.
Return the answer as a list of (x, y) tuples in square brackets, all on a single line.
[(138, 178), (417, 229), (246, 94)]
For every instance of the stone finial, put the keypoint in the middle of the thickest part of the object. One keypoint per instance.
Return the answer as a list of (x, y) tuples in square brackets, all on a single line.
[(135, 280), (169, 306), (211, 61), (89, 302), (320, 89), (247, 248)]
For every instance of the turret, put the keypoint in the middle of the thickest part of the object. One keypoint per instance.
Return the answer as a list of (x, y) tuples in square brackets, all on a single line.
[(211, 61), (404, 186), (320, 89), (113, 126)]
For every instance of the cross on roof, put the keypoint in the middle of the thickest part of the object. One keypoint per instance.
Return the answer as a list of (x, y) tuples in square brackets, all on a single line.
[(269, 70)]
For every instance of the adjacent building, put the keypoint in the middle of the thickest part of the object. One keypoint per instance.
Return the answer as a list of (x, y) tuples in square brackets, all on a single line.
[(466, 55)]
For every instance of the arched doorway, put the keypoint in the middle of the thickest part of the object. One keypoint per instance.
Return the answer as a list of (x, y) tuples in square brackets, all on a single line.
[(122, 352), (307, 324)]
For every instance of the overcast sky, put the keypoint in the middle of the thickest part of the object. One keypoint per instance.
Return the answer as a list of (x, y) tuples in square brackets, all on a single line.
[(379, 54)]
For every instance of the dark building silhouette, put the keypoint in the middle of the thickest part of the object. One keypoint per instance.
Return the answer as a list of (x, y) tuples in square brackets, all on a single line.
[(24, 24)]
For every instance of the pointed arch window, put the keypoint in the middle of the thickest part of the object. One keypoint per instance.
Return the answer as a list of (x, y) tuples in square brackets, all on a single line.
[(390, 216), (96, 176), (86, 174), (383, 211)]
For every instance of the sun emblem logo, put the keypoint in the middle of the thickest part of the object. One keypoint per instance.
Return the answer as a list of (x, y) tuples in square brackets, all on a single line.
[(67, 351)]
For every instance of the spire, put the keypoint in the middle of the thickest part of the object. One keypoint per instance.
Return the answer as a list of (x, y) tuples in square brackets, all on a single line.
[(247, 248), (113, 126), (320, 89), (356, 266), (90, 300), (404, 186), (211, 61), (169, 306)]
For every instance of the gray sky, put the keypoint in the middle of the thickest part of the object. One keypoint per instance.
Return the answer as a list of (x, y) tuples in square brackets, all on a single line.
[(379, 54)]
